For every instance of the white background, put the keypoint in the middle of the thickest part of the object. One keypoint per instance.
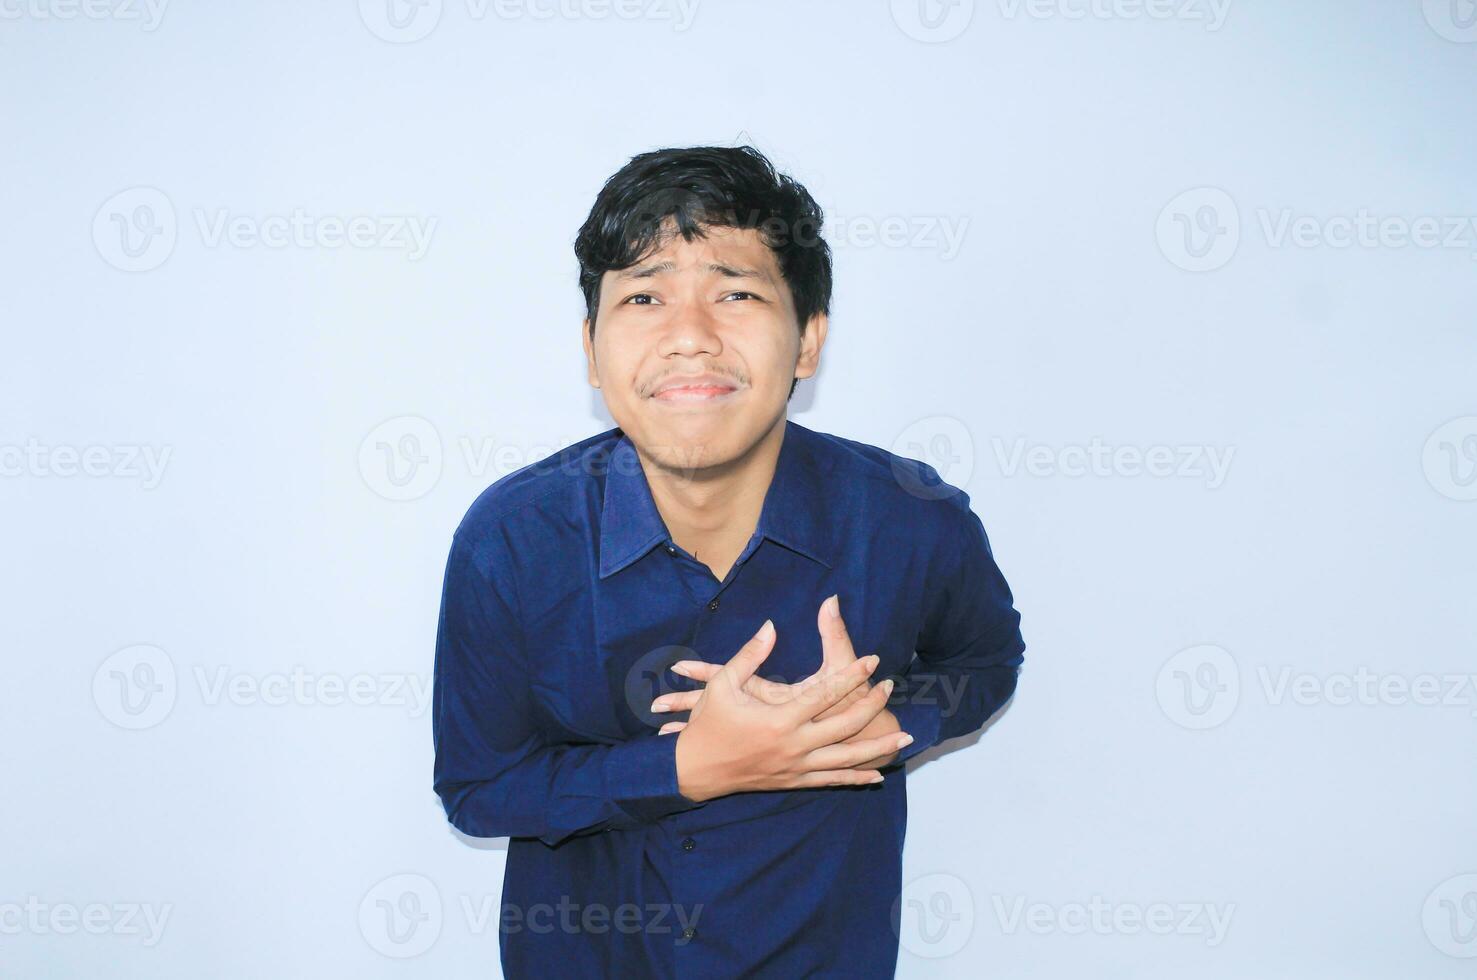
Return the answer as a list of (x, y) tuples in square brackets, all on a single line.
[(1281, 774)]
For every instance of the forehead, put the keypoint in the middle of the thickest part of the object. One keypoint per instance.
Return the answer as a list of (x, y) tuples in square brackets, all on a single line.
[(737, 253)]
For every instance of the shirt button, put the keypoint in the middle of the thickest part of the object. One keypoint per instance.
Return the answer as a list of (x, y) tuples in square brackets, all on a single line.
[(689, 933), (671, 550), (688, 844), (713, 606)]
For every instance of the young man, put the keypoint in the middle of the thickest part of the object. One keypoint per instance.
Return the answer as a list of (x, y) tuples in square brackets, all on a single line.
[(657, 648)]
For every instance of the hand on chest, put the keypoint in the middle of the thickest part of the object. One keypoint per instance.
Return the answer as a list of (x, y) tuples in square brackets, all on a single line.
[(601, 667)]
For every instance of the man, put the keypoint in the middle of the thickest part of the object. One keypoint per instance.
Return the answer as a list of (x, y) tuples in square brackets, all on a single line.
[(656, 648)]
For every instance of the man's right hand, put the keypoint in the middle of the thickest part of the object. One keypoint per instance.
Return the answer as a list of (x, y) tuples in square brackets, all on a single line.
[(734, 742)]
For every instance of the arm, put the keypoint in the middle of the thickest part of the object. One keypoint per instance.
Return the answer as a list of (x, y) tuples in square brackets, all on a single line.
[(495, 771), (969, 647)]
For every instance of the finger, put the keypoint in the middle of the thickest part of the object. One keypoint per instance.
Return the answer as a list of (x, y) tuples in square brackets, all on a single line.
[(836, 648), (741, 665), (698, 670), (844, 755), (766, 690), (838, 777), (841, 726), (671, 727), (676, 701), (819, 693)]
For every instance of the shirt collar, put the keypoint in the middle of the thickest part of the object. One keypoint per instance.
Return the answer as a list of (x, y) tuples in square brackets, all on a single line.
[(793, 514)]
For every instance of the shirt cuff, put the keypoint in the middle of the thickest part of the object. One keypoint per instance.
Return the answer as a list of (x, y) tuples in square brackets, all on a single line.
[(641, 777), (920, 720)]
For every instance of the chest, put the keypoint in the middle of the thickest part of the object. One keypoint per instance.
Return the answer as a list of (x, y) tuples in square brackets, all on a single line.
[(600, 656)]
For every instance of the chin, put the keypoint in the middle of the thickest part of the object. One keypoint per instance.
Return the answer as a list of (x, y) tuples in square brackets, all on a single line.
[(694, 441)]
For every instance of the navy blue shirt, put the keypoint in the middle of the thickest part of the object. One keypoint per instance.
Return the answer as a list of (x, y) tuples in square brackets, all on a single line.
[(566, 599)]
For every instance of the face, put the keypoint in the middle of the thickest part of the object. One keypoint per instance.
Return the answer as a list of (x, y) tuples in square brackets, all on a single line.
[(696, 345)]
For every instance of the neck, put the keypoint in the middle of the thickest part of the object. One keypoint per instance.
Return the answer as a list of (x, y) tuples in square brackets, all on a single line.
[(712, 511)]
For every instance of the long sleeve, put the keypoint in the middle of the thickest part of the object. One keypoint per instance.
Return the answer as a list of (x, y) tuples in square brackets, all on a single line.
[(495, 772), (969, 647)]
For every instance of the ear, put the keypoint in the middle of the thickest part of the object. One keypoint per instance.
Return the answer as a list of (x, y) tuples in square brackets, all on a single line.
[(811, 342), (591, 374)]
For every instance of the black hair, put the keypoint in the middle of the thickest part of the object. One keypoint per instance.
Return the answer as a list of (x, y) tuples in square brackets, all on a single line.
[(700, 187)]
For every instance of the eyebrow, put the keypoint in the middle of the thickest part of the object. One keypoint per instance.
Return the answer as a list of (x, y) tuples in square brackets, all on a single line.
[(659, 268)]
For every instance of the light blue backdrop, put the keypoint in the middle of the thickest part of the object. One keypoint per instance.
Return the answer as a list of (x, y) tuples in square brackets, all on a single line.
[(1180, 291)]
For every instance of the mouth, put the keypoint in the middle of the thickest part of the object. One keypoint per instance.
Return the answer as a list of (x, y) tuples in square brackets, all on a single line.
[(703, 390)]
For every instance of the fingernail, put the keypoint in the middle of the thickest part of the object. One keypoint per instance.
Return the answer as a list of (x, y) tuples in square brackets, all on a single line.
[(887, 687), (680, 668), (905, 741), (833, 606), (870, 660), (657, 707), (766, 632), (876, 779)]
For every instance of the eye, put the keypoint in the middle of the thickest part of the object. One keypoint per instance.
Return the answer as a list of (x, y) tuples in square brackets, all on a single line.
[(638, 296), (740, 293)]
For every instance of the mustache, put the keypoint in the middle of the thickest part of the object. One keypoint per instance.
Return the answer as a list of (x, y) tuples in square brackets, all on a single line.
[(738, 379)]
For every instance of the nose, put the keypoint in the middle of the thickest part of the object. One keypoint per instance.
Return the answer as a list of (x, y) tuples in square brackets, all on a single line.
[(691, 329)]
